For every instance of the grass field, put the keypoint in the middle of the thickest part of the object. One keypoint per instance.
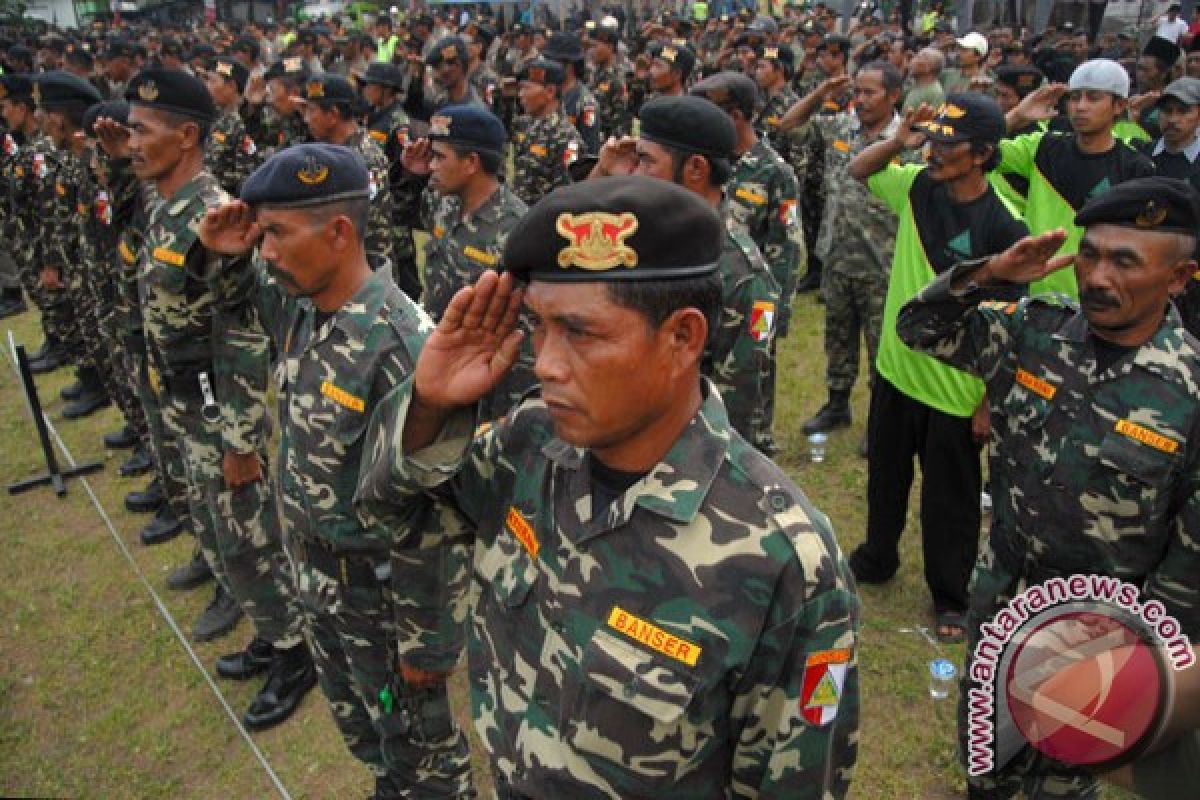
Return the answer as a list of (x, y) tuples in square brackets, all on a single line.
[(98, 699)]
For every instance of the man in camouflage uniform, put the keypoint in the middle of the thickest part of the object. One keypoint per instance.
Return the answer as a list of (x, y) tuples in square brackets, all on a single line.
[(463, 157), (209, 364), (389, 127), (274, 111), (448, 59), (762, 197), (480, 75), (545, 143), (1094, 459), (578, 103), (859, 231), (347, 337), (18, 104), (231, 155), (603, 664), (330, 110), (690, 141), (608, 83)]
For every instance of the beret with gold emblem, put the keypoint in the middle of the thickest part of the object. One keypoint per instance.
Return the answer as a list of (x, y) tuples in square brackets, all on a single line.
[(290, 68), (1157, 203), (469, 126), (57, 89), (330, 90), (627, 228), (306, 175), (678, 56), (544, 71), (173, 91), (232, 70)]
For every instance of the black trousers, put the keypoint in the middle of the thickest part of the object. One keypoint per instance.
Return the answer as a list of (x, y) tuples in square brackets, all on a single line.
[(898, 429)]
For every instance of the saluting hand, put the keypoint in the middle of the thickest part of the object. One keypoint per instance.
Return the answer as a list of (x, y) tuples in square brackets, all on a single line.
[(1030, 259), (113, 137), (1041, 103), (417, 158), (473, 346), (229, 229)]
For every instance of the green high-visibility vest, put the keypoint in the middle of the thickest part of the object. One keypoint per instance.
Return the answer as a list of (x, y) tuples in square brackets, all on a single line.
[(700, 11)]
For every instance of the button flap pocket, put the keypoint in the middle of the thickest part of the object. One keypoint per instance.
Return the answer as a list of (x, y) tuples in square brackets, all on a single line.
[(1135, 459), (635, 677)]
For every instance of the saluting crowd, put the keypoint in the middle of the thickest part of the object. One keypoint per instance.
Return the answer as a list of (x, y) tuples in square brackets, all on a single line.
[(546, 440)]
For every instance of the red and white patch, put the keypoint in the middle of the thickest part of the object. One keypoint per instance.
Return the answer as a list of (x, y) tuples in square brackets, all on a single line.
[(39, 165), (821, 689), (10, 145), (762, 320), (787, 213), (571, 154), (248, 146), (103, 209), (589, 116)]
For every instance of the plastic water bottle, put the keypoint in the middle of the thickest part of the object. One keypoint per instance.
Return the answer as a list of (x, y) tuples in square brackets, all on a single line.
[(941, 678), (816, 446)]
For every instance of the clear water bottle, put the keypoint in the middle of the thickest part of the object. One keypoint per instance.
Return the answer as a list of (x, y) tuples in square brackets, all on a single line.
[(941, 678), (816, 446)]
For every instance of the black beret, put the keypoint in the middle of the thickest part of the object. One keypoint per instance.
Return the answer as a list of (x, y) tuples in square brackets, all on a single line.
[(564, 47), (604, 33), (233, 70), (616, 229), (688, 123), (292, 67), (544, 71), (384, 74), (202, 50), (1164, 50), (729, 88), (120, 48), (842, 43), (15, 86), (451, 48), (58, 89), (966, 117), (1150, 204), (80, 57), (484, 35), (172, 47), (780, 54), (1021, 79), (329, 90), (246, 44), (172, 90), (306, 175), (680, 57), (117, 110), (19, 52), (470, 126)]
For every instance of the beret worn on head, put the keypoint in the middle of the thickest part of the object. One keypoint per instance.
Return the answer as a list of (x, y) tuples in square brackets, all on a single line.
[(1164, 50), (292, 67), (729, 89), (15, 86), (330, 89), (58, 89), (689, 123), (564, 47), (117, 110), (468, 126), (232, 70), (544, 71), (629, 228), (172, 90), (678, 56), (390, 75), (306, 175), (1159, 204), (1021, 79)]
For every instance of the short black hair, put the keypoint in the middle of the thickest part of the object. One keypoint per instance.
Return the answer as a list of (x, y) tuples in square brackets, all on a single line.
[(177, 120), (719, 169), (892, 79), (657, 300), (489, 161), (356, 208)]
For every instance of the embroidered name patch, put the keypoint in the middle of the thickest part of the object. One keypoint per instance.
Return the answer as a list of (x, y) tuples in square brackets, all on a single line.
[(653, 636), (522, 530), (481, 256), (342, 397), (1035, 384), (1146, 436), (750, 196), (169, 256), (126, 253)]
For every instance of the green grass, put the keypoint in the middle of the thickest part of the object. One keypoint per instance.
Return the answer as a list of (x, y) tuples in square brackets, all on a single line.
[(98, 699)]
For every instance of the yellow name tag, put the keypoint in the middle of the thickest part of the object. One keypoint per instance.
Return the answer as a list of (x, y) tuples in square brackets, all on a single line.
[(168, 256), (126, 253), (154, 379), (81, 209), (219, 136), (841, 145), (1035, 384), (654, 637), (342, 397), (60, 189), (479, 255), (379, 136), (522, 530), (773, 121), (538, 150), (750, 196), (438, 231), (1146, 436)]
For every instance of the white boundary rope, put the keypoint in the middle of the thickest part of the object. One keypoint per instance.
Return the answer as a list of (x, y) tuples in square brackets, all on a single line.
[(158, 602)]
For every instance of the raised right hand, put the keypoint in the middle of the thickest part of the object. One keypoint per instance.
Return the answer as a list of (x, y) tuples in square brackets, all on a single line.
[(229, 229), (617, 157), (113, 137), (473, 346), (1030, 259), (417, 158)]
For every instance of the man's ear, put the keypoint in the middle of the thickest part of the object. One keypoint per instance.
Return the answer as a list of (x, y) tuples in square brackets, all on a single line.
[(687, 329)]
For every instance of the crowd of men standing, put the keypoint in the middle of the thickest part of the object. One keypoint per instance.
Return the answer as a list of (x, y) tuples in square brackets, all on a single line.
[(204, 217)]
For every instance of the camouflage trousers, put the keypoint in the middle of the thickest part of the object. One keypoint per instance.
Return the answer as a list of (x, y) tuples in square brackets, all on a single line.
[(413, 747), (119, 378), (1031, 771), (854, 300), (404, 262), (168, 459), (9, 277), (237, 529)]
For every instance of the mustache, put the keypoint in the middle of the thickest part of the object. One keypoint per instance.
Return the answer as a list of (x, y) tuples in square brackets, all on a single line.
[(1097, 298), (281, 276)]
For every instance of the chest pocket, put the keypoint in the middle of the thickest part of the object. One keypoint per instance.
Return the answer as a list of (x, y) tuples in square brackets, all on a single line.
[(167, 259), (1132, 472), (348, 408)]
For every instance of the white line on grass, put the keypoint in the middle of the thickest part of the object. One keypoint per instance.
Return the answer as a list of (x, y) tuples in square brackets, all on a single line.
[(162, 608)]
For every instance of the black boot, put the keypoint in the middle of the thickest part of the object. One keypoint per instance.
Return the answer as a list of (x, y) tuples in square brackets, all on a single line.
[(72, 391), (163, 528), (834, 414), (121, 440), (221, 616), (93, 397), (12, 302), (138, 463), (245, 664), (191, 575), (812, 279), (292, 675), (148, 500), (41, 352), (56, 355)]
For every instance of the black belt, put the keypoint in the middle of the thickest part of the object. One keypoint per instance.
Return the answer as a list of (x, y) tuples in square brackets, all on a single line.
[(350, 568)]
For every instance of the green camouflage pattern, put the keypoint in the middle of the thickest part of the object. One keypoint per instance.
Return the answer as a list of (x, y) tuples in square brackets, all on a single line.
[(390, 128), (59, 244), (230, 154), (803, 148), (581, 109), (608, 84), (543, 149), (380, 214), (710, 702)]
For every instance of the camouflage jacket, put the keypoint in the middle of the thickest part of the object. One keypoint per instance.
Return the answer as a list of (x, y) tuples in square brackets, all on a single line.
[(132, 221), (271, 131), (486, 83), (379, 215), (69, 191), (25, 172), (605, 661), (856, 223), (544, 147), (198, 317), (738, 358), (457, 252), (1093, 470), (763, 204), (100, 234), (231, 154), (581, 109), (608, 84), (391, 129)]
